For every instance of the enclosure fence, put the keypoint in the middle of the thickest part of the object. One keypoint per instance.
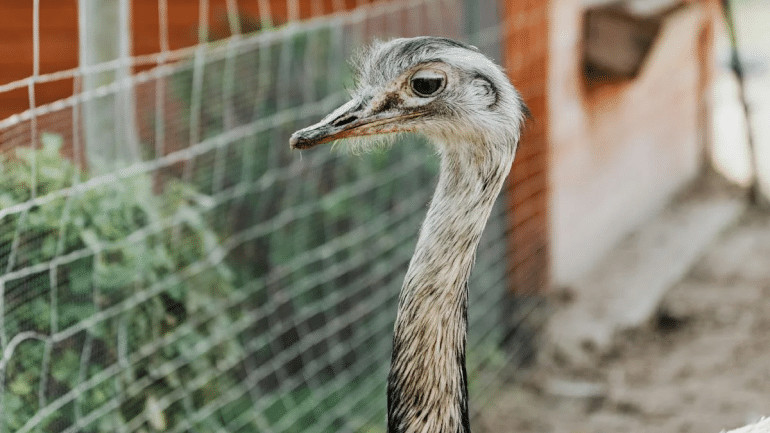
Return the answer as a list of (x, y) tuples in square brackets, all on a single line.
[(167, 264)]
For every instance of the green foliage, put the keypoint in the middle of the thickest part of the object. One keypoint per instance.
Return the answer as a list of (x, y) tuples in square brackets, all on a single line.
[(110, 242)]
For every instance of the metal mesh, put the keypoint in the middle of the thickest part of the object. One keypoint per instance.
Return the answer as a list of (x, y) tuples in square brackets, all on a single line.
[(220, 282)]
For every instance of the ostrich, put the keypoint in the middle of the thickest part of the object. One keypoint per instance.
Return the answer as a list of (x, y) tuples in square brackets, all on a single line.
[(465, 105)]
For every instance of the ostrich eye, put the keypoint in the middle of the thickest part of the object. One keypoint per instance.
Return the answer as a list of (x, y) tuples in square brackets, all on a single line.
[(427, 83), (426, 86)]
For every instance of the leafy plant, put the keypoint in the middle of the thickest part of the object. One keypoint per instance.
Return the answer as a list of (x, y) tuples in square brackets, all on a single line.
[(111, 253)]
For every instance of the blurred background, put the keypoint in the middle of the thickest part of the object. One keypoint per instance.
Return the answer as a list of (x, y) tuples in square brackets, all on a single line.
[(167, 264)]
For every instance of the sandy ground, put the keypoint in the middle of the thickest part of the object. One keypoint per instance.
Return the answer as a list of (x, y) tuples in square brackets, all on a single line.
[(702, 366)]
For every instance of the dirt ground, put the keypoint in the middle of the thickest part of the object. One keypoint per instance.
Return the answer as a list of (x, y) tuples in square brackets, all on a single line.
[(704, 365)]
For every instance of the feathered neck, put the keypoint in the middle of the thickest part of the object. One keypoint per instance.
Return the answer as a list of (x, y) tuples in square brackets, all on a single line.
[(427, 384)]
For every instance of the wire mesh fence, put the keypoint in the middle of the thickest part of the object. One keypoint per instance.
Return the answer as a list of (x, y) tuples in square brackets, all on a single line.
[(207, 279)]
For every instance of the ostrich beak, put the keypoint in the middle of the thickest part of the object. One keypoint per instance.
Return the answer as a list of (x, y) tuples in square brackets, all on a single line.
[(353, 119)]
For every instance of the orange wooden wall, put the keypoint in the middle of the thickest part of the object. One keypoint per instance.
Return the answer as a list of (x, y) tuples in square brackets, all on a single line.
[(58, 50), (526, 60), (59, 36)]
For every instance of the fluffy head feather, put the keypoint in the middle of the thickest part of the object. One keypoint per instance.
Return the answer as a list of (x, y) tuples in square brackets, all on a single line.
[(469, 99)]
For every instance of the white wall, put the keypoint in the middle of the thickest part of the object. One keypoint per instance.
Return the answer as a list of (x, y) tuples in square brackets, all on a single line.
[(620, 152)]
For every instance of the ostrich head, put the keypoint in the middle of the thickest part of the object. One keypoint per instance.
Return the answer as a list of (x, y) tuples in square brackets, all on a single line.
[(446, 90)]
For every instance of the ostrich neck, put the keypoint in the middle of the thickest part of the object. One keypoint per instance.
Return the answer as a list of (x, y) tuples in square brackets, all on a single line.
[(427, 385)]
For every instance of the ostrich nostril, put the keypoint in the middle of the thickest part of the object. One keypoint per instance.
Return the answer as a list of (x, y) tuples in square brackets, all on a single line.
[(344, 120)]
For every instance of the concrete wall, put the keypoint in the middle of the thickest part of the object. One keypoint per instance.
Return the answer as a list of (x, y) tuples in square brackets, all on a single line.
[(620, 151)]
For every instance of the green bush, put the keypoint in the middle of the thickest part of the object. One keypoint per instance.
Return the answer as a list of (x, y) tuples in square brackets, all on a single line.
[(70, 259)]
